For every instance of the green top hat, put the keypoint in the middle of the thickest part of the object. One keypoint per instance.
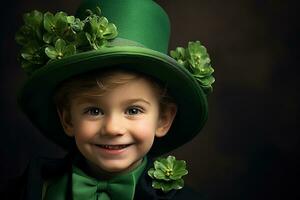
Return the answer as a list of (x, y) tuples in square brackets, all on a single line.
[(57, 47)]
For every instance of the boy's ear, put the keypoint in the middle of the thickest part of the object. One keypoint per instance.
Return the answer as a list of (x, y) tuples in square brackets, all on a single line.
[(65, 120), (166, 120)]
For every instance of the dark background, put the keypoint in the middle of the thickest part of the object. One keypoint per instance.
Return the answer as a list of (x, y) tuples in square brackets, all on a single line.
[(249, 146)]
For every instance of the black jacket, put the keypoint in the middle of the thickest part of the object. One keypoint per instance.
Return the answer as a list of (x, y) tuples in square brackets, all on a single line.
[(29, 185)]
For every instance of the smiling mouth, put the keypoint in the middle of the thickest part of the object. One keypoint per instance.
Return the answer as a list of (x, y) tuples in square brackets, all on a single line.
[(113, 147)]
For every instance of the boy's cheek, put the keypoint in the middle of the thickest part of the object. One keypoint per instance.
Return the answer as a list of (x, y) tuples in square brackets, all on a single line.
[(144, 131), (86, 129)]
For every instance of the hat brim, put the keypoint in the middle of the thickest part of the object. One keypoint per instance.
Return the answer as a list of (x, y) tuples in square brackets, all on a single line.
[(36, 95)]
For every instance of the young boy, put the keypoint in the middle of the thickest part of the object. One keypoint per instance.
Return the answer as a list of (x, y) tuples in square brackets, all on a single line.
[(110, 95)]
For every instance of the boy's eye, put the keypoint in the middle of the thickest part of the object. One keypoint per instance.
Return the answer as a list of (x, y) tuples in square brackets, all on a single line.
[(134, 111), (93, 111)]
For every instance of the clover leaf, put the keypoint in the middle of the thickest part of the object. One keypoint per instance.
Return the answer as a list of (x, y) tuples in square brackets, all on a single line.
[(32, 56), (75, 23), (55, 24), (47, 36), (166, 186), (180, 55), (196, 60), (32, 29), (60, 50), (59, 26), (167, 173), (99, 30), (32, 53)]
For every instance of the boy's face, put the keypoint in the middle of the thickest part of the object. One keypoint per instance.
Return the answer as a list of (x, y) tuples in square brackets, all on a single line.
[(115, 131)]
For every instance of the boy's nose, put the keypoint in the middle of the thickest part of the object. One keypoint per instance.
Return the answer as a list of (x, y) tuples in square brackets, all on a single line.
[(112, 125)]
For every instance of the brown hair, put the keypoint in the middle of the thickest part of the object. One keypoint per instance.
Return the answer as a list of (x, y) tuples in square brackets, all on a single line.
[(97, 83)]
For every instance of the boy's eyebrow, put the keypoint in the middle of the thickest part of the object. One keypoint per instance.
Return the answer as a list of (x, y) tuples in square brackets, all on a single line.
[(83, 100), (136, 100)]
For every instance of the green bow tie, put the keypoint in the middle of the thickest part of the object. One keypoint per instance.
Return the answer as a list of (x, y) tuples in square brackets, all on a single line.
[(121, 187)]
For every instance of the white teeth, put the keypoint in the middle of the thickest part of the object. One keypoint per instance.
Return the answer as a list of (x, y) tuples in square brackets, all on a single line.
[(113, 147)]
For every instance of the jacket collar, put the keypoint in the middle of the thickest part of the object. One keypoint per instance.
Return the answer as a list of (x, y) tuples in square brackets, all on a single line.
[(42, 169)]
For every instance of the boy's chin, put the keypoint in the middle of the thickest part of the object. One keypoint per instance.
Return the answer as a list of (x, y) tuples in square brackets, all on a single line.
[(112, 168), (120, 166)]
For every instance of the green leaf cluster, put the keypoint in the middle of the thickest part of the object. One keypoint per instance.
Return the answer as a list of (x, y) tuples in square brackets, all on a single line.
[(196, 60), (47, 36), (167, 173)]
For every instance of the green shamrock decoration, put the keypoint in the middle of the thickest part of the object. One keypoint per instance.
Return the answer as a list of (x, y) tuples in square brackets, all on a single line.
[(60, 50), (45, 37), (99, 30), (196, 60), (167, 173)]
